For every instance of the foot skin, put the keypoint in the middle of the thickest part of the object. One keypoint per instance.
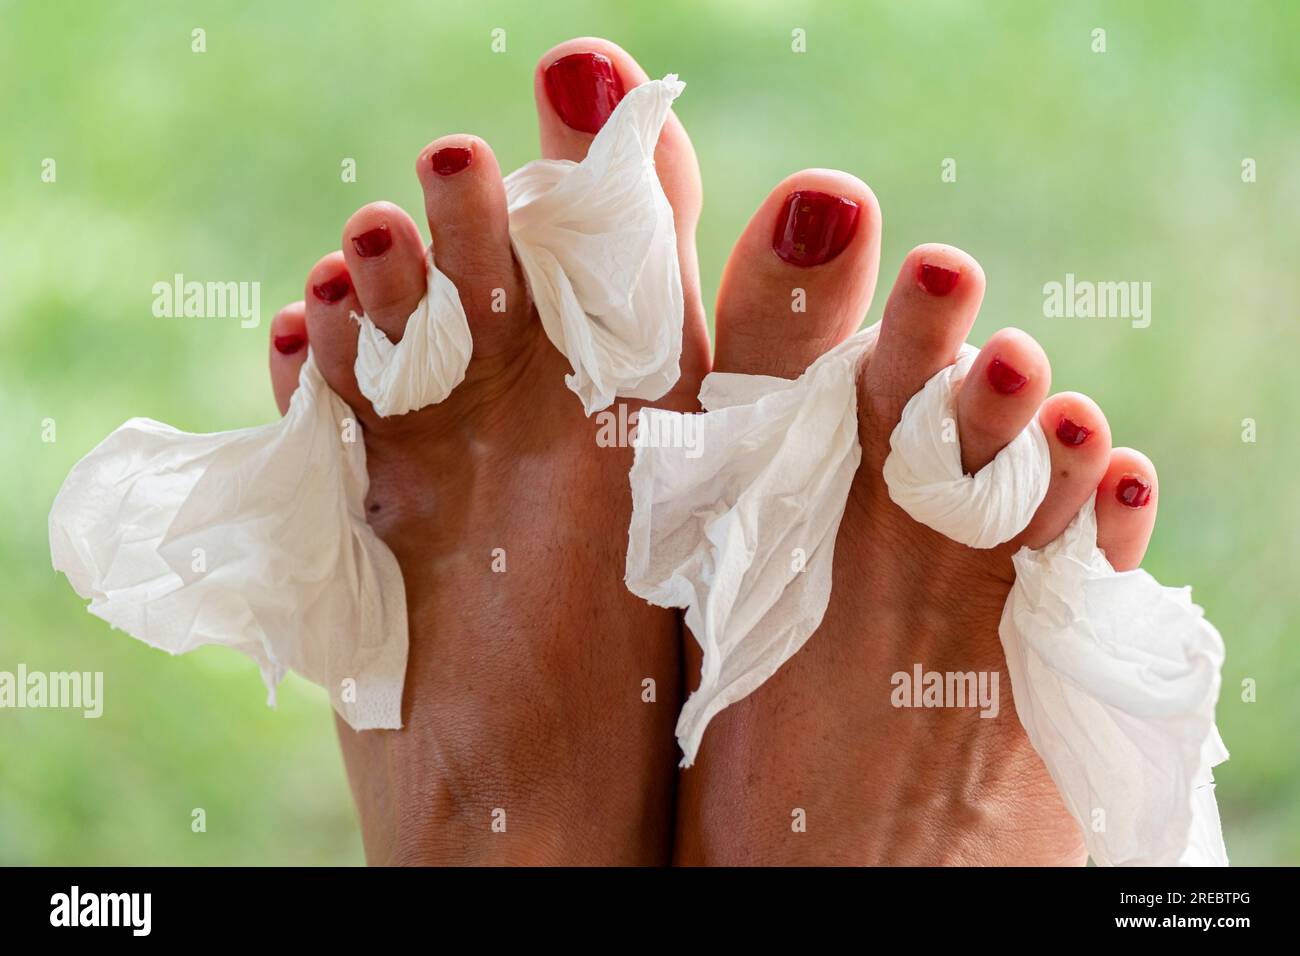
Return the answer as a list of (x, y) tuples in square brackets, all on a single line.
[(878, 784), (524, 690)]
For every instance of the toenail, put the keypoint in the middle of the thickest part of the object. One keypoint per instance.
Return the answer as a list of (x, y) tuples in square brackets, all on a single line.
[(1004, 378), (1071, 433), (814, 227), (584, 88), (373, 243), (1133, 491), (937, 280), (451, 159), (288, 344), (331, 290)]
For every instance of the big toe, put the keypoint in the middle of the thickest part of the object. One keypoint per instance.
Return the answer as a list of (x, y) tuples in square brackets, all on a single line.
[(577, 86), (801, 275)]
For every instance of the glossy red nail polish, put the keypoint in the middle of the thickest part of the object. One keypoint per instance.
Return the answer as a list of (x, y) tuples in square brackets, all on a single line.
[(373, 243), (451, 159), (1071, 433), (584, 88), (1132, 491), (814, 227), (1004, 378), (331, 290), (288, 344), (937, 280)]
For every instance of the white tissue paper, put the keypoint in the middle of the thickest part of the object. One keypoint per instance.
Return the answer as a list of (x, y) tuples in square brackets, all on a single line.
[(597, 245), (430, 359), (925, 476), (256, 539), (1115, 677), (740, 529)]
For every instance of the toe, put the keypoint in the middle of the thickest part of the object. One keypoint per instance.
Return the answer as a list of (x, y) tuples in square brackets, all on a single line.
[(577, 85), (385, 257), (465, 201), (928, 315), (330, 302), (1126, 508), (999, 395), (800, 277), (1078, 438), (288, 350)]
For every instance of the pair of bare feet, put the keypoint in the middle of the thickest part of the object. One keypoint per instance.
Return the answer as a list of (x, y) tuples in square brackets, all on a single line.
[(526, 737)]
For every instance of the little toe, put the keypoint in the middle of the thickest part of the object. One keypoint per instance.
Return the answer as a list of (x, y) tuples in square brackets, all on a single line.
[(1126, 508), (999, 395), (1078, 438), (288, 350)]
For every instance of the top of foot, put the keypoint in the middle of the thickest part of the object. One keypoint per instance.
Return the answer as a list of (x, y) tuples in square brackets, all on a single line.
[(529, 661), (822, 764)]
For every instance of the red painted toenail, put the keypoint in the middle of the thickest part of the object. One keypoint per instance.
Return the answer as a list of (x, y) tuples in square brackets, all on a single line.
[(373, 243), (451, 159), (1004, 378), (937, 280), (1133, 491), (1072, 433), (814, 227), (584, 88), (331, 290), (288, 344)]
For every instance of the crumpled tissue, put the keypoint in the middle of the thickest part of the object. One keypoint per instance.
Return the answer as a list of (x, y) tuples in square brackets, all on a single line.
[(596, 242), (254, 539), (257, 539), (926, 479), (742, 536), (1115, 677), (427, 362), (598, 249)]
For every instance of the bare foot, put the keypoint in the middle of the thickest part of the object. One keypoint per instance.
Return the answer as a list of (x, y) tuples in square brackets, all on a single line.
[(523, 705), (817, 766)]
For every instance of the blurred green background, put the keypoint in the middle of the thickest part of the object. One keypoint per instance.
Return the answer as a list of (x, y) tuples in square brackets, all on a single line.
[(225, 165)]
